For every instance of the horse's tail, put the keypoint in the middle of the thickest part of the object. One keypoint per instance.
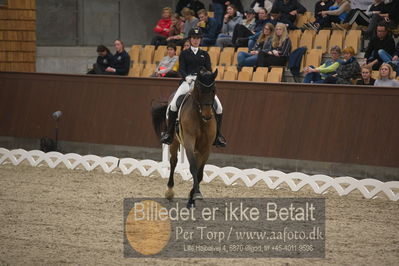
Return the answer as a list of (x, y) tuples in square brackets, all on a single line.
[(158, 112)]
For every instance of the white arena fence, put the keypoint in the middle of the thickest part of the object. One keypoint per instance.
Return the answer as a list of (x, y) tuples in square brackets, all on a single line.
[(230, 175)]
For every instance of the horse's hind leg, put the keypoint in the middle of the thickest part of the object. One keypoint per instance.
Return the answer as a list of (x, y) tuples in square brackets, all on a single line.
[(169, 194)]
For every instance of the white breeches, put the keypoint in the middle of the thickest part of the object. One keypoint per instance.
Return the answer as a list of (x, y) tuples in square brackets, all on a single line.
[(185, 88)]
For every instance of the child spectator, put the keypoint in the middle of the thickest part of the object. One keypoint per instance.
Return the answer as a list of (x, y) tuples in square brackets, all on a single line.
[(319, 74), (209, 28), (104, 60), (379, 46), (120, 62), (366, 77), (385, 77), (276, 50), (250, 59), (348, 70), (231, 19), (163, 27), (164, 68), (189, 20)]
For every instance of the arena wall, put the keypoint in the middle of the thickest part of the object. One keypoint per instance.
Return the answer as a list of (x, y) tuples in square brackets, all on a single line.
[(325, 123)]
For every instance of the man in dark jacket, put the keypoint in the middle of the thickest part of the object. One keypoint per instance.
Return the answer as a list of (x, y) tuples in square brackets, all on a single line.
[(381, 43), (209, 28), (288, 9)]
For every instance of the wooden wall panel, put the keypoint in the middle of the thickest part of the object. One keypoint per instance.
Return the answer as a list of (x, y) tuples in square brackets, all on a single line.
[(18, 36), (326, 123)]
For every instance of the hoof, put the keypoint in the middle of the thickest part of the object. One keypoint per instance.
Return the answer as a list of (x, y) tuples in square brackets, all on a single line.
[(169, 194), (198, 196)]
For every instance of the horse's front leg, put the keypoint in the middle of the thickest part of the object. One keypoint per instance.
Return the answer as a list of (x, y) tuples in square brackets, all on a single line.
[(169, 194), (191, 156)]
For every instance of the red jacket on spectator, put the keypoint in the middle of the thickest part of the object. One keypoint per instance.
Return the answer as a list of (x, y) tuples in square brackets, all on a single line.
[(163, 27)]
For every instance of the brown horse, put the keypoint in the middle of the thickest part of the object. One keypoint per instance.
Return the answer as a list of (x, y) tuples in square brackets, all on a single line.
[(197, 131)]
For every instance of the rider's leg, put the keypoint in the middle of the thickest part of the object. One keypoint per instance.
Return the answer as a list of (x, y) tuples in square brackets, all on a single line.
[(220, 141), (167, 137)]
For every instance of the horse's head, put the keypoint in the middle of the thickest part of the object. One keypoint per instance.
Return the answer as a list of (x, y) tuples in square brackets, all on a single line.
[(205, 90)]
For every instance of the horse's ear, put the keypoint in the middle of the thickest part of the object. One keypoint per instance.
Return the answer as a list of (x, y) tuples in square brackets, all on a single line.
[(215, 74)]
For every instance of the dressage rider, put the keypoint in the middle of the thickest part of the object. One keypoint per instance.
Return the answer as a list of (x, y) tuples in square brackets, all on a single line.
[(190, 62)]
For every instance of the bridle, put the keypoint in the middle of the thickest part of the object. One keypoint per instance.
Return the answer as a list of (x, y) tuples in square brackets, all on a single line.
[(200, 104)]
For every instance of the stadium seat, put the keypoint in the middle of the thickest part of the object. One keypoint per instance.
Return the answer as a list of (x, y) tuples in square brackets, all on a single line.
[(214, 55), (214, 48), (178, 50), (307, 38), (337, 38), (353, 39), (300, 20), (226, 57), (275, 74), (147, 54), (259, 75), (134, 53), (205, 48), (147, 72), (313, 57), (231, 68), (211, 14), (220, 72), (244, 76), (374, 74), (321, 40), (160, 52), (250, 70), (230, 75), (135, 70), (295, 36)]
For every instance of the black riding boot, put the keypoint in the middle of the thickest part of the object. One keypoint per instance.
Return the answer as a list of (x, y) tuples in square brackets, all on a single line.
[(220, 141), (167, 137)]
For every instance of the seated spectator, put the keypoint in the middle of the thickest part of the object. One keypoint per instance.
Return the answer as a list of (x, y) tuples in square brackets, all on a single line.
[(348, 70), (276, 50), (266, 4), (176, 33), (220, 6), (189, 20), (120, 62), (250, 59), (163, 27), (165, 67), (366, 77), (319, 74), (243, 33), (382, 45), (361, 17), (104, 60), (194, 5), (186, 46), (392, 60), (209, 28), (289, 9), (231, 19), (335, 14), (384, 77), (322, 5), (389, 14)]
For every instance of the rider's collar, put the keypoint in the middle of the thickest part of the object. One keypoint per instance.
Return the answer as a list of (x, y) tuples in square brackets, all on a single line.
[(194, 49)]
